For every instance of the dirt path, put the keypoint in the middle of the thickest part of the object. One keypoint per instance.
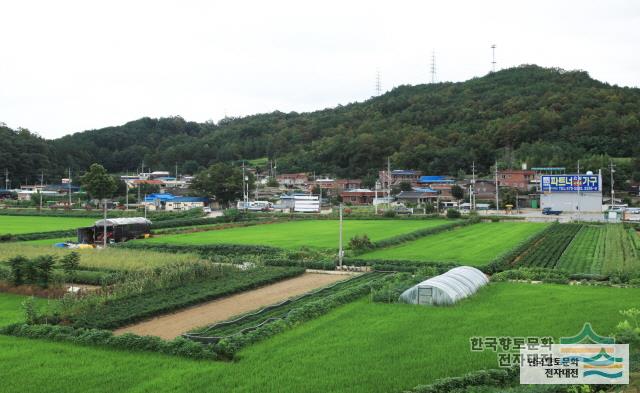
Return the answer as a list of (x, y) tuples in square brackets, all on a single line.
[(172, 325)]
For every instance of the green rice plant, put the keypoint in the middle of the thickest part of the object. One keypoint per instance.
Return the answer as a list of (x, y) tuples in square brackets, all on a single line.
[(359, 347), (475, 245), (301, 233)]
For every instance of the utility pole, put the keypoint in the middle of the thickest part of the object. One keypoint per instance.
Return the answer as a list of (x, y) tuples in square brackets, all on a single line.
[(126, 192), (578, 190), (340, 252), (244, 190), (378, 85), (497, 189), (176, 171), (69, 188), (473, 186), (613, 193), (6, 178), (389, 183), (104, 227), (41, 187)]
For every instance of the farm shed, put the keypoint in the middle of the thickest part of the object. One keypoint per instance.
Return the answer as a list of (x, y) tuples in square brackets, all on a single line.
[(446, 289), (118, 230)]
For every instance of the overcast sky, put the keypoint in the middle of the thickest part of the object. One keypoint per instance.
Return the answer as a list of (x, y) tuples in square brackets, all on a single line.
[(71, 66)]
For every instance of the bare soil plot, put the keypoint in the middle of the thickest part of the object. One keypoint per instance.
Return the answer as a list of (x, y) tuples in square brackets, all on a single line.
[(172, 325)]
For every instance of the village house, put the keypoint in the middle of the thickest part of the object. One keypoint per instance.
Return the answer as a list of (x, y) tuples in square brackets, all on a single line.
[(516, 178), (358, 196), (293, 180), (400, 176)]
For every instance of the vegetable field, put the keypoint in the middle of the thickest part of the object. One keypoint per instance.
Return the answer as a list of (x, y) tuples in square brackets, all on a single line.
[(370, 341), (476, 244), (28, 224), (296, 234), (547, 251), (600, 249)]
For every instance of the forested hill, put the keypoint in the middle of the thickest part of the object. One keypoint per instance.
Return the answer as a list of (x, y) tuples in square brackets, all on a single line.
[(528, 113)]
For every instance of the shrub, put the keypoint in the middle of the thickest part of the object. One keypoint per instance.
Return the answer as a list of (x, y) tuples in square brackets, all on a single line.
[(453, 213), (390, 213), (70, 263), (360, 243)]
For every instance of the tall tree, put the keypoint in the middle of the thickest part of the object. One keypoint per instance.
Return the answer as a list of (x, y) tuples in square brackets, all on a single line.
[(98, 183), (222, 181)]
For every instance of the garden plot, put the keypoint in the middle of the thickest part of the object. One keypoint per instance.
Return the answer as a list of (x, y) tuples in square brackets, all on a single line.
[(473, 245), (172, 325), (296, 234), (597, 249)]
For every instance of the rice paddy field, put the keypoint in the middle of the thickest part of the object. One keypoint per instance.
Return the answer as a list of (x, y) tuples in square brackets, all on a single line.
[(111, 258), (474, 245), (359, 347), (27, 224), (296, 234)]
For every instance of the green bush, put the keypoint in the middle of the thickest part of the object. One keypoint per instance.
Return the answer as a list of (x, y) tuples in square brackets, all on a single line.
[(360, 243), (492, 377), (453, 213)]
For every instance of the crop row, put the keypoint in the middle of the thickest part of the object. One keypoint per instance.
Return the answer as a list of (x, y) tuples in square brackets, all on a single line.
[(546, 251), (172, 288), (586, 252)]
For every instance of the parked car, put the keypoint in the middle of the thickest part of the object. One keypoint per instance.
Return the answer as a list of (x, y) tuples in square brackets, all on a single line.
[(550, 212), (402, 210)]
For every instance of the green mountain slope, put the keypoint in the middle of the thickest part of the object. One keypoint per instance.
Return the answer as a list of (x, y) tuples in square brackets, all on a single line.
[(528, 113)]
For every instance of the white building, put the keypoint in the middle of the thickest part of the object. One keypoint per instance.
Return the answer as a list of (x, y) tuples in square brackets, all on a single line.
[(572, 192)]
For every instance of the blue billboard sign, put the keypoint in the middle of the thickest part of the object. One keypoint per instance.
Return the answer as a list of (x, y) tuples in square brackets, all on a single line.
[(570, 183)]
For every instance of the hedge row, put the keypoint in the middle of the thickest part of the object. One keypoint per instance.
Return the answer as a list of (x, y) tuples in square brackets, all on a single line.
[(7, 237), (488, 378), (392, 241), (505, 261), (335, 215), (123, 311), (229, 346), (204, 250), (546, 275), (106, 338), (318, 265)]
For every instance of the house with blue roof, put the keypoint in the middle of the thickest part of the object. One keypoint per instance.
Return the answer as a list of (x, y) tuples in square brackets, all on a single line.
[(170, 202)]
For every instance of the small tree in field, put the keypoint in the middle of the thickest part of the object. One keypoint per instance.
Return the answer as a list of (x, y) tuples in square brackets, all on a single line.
[(44, 264), (17, 265), (70, 264)]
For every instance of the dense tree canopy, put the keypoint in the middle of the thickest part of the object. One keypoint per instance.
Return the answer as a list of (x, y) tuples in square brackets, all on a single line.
[(525, 114)]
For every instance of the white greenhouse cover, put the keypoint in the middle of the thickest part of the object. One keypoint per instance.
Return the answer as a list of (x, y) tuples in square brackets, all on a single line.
[(447, 288), (124, 221)]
